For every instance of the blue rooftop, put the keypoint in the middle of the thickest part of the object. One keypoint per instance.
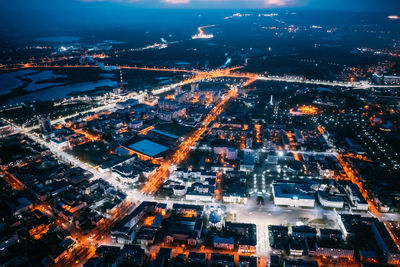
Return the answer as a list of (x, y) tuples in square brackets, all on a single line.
[(148, 147)]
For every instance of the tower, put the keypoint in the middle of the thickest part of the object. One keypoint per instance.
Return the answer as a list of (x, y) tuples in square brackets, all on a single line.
[(271, 101), (121, 80)]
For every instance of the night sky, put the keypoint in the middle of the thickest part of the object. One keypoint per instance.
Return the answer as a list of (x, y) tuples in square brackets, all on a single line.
[(20, 16), (354, 5)]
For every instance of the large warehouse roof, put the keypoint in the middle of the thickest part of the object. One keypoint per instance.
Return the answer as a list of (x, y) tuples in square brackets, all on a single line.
[(148, 148)]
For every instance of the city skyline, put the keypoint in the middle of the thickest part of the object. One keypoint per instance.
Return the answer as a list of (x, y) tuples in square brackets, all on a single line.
[(166, 133)]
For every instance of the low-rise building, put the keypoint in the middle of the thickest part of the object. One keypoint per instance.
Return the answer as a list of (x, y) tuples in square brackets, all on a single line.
[(330, 201), (293, 193), (224, 243), (200, 192), (248, 236), (386, 243), (356, 198), (331, 248), (196, 259), (278, 238), (222, 260), (123, 232)]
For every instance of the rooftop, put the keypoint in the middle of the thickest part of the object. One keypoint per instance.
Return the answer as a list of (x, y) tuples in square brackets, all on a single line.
[(164, 133), (148, 148)]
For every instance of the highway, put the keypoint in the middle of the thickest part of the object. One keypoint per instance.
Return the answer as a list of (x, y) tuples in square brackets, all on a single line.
[(214, 74), (110, 104), (155, 180), (261, 216)]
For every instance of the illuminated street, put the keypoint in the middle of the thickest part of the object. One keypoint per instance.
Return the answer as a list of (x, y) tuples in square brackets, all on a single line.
[(210, 133)]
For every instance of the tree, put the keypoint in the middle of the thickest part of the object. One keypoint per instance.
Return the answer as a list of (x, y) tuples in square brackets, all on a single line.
[(260, 200)]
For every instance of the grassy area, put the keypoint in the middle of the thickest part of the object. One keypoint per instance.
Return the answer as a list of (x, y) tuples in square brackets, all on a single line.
[(91, 152), (322, 223), (174, 128)]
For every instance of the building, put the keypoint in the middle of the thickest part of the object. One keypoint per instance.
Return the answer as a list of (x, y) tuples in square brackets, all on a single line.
[(386, 79), (194, 87), (330, 234), (297, 247), (45, 124), (184, 229), (299, 263), (133, 255), (224, 243), (330, 201), (304, 232), (215, 219), (130, 103), (247, 233), (285, 140), (222, 260), (146, 235), (247, 261), (293, 194), (167, 104), (235, 189), (249, 161), (278, 238), (185, 224), (163, 136), (161, 208), (200, 192), (130, 170), (185, 209), (125, 173), (135, 124), (229, 152), (6, 129), (331, 248), (60, 143), (169, 115), (147, 149), (109, 255), (196, 259), (164, 256), (179, 190), (350, 222), (123, 232), (356, 198), (299, 136), (386, 244)]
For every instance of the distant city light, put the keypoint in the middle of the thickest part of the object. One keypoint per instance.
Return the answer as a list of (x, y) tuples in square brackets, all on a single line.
[(201, 35)]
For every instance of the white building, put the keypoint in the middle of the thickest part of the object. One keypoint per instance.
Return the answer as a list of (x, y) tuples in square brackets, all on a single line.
[(179, 190), (60, 144), (234, 199), (356, 198), (228, 152), (293, 194), (330, 201)]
